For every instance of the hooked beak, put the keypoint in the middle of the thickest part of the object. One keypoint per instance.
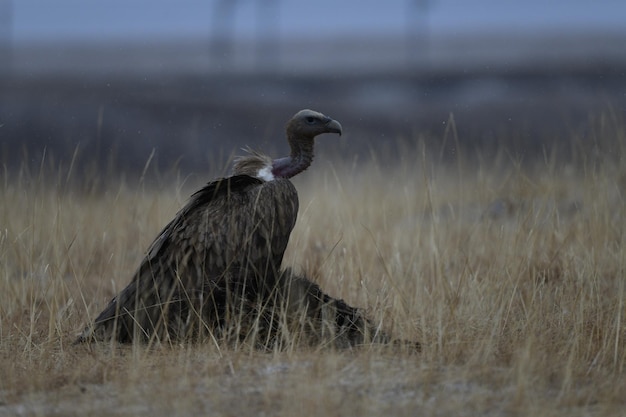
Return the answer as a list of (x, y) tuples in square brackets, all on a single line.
[(333, 126)]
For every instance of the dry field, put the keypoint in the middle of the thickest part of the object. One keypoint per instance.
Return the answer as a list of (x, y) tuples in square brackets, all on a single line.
[(512, 275)]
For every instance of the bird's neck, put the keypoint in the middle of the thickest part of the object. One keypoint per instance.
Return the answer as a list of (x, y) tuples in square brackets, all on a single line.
[(299, 160)]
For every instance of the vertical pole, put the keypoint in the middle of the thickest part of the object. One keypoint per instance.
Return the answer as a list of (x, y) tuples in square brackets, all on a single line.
[(222, 26), (417, 33), (6, 36), (267, 46)]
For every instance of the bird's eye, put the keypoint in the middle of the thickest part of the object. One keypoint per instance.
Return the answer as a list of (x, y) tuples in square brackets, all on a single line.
[(310, 120)]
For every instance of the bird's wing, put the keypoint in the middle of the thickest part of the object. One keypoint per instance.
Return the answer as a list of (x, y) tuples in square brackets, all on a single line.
[(239, 222), (200, 202), (229, 215)]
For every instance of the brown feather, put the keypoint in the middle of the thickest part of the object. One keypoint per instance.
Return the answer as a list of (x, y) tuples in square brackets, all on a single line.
[(251, 163), (237, 224)]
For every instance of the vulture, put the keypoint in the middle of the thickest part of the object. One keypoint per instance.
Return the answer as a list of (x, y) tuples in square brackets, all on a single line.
[(214, 272)]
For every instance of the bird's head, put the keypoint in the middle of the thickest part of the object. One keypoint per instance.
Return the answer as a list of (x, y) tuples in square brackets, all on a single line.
[(306, 124), (302, 129)]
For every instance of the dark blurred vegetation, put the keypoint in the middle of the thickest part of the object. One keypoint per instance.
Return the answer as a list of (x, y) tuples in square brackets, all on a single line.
[(115, 122)]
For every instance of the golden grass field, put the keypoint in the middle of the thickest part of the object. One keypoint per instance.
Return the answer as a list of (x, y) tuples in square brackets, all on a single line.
[(511, 273)]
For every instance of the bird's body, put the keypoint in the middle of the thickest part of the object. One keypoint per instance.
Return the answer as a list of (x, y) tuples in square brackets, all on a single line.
[(222, 231), (230, 236)]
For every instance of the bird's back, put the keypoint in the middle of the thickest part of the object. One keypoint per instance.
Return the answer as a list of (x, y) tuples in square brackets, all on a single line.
[(232, 222), (238, 225)]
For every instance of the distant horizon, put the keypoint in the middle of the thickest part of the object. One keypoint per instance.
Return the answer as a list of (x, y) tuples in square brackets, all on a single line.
[(481, 53)]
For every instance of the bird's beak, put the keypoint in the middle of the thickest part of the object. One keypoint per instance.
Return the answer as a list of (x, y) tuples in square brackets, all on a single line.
[(333, 126)]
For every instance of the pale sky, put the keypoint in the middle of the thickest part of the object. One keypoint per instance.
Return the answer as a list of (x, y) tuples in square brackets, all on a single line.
[(171, 19)]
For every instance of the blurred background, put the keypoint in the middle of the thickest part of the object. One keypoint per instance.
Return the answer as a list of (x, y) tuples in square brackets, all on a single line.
[(187, 83)]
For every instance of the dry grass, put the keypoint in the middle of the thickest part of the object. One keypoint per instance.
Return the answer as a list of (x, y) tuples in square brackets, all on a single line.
[(513, 278)]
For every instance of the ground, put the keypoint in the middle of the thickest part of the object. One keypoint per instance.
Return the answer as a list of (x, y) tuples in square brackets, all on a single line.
[(510, 273)]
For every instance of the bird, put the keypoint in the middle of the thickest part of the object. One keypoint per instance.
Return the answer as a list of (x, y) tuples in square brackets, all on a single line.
[(230, 237)]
